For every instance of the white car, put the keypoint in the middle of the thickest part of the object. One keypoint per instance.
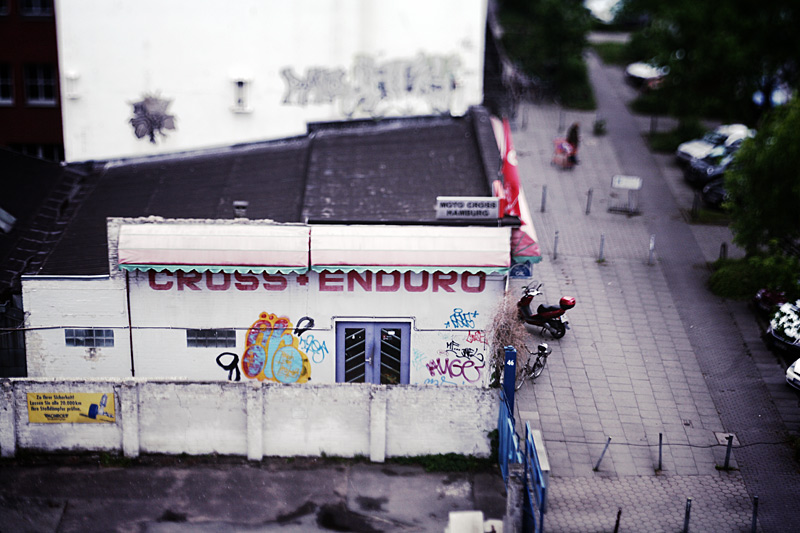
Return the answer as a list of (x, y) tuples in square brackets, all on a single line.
[(724, 135), (793, 374)]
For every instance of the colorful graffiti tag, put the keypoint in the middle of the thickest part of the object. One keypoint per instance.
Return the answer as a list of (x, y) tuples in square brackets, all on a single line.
[(457, 363), (461, 319), (271, 352)]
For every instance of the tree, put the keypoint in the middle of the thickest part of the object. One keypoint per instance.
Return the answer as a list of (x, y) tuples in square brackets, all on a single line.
[(547, 38), (719, 53), (764, 185)]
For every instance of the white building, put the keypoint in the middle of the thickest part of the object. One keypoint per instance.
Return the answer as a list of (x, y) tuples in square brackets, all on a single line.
[(230, 300), (147, 76)]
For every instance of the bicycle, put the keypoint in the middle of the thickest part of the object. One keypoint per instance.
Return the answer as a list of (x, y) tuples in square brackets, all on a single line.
[(533, 369)]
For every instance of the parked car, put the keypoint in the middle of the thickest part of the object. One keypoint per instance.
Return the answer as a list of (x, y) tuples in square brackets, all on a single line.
[(793, 374), (714, 193), (702, 171), (725, 135), (644, 76), (767, 301), (783, 332)]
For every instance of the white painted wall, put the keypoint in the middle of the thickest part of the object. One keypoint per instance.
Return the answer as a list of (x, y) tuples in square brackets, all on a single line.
[(257, 420), (53, 304), (191, 52), (447, 346)]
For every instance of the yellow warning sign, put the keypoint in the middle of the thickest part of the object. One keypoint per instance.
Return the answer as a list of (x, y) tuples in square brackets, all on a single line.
[(70, 407)]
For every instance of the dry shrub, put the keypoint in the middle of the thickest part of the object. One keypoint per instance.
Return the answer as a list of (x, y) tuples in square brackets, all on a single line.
[(506, 329)]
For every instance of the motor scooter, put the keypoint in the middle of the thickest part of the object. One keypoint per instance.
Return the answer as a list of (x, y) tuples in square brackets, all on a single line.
[(548, 317)]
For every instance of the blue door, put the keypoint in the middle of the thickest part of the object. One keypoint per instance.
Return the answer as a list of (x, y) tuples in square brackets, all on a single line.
[(372, 352)]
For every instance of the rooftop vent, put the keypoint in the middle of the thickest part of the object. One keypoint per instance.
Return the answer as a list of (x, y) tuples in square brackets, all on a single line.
[(240, 208)]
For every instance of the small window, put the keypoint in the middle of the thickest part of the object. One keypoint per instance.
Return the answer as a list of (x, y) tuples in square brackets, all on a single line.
[(241, 96), (90, 338), (40, 84), (37, 8), (211, 338), (6, 85)]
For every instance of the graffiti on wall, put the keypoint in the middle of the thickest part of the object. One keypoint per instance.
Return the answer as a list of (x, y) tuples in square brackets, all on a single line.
[(273, 351), (150, 117), (459, 362), (461, 319), (374, 87)]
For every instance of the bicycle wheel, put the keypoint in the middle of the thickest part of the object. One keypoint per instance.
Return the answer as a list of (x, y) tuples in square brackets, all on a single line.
[(521, 379), (538, 366)]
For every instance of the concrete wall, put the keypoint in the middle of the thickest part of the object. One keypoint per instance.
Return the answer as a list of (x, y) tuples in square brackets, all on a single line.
[(255, 419), (300, 61)]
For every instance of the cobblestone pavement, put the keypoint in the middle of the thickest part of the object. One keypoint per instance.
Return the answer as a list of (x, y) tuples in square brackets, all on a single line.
[(652, 356)]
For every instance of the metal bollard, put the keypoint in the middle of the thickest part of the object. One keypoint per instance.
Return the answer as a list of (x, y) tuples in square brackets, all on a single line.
[(686, 517), (652, 249), (597, 466), (723, 250), (728, 451), (619, 514), (555, 247), (589, 202), (754, 525), (544, 198), (660, 443), (601, 256)]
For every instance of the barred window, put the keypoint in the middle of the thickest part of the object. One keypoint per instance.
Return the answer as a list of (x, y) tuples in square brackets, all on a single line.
[(211, 338), (40, 84), (6, 84), (91, 338), (36, 8)]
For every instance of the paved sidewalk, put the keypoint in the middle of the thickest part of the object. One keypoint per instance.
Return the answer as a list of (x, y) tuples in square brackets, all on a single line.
[(651, 352)]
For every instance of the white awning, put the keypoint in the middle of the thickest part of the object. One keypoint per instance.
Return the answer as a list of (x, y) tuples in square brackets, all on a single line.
[(214, 247), (414, 248)]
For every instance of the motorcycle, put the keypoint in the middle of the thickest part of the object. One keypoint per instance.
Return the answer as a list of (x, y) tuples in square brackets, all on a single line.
[(548, 317)]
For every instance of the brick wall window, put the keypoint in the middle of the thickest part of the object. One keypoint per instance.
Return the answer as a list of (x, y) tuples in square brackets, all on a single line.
[(40, 84), (6, 85), (91, 338), (36, 8), (211, 338)]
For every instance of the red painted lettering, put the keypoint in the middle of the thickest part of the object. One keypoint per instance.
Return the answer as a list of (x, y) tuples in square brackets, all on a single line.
[(379, 285), (189, 279), (466, 287), (155, 285), (245, 282), (275, 283), (224, 286), (422, 287), (329, 282), (443, 281), (364, 279)]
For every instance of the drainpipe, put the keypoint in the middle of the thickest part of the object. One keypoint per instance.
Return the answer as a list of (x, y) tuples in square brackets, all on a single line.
[(130, 325)]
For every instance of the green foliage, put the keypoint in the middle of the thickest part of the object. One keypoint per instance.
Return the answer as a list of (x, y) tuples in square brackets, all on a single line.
[(448, 462), (741, 278), (668, 141), (718, 53), (613, 53), (546, 38), (764, 183)]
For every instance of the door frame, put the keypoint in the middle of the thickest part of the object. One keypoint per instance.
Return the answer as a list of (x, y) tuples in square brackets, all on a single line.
[(372, 334)]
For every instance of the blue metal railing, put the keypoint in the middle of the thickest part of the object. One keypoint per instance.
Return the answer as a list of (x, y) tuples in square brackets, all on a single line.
[(508, 449), (535, 487)]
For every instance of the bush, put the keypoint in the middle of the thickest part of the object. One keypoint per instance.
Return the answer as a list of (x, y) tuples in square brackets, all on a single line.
[(741, 278)]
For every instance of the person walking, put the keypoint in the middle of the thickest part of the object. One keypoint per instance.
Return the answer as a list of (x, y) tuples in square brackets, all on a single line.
[(573, 138)]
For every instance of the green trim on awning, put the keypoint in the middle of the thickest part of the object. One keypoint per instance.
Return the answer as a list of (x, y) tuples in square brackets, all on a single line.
[(405, 268), (526, 258), (228, 269)]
